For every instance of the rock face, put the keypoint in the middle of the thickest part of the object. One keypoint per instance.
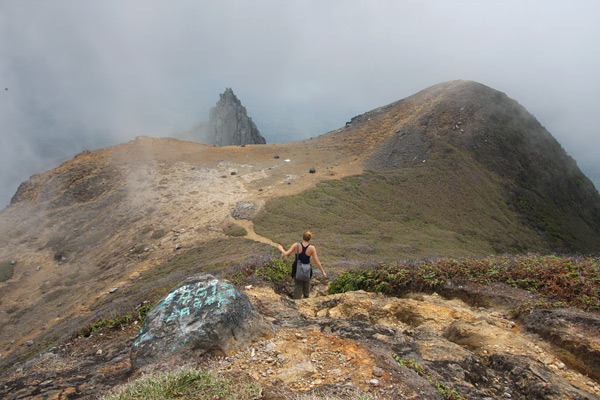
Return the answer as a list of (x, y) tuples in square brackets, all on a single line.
[(203, 314), (229, 123)]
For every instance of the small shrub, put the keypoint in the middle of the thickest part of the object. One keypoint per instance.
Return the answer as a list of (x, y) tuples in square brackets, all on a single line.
[(235, 230), (276, 270), (6, 271), (158, 234)]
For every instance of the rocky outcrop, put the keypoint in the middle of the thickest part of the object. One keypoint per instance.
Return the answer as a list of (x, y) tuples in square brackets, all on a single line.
[(203, 314), (228, 124), (424, 346)]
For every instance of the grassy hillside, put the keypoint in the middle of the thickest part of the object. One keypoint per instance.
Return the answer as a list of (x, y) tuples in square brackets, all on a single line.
[(444, 207)]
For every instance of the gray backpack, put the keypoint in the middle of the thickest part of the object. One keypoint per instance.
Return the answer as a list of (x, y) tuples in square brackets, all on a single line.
[(303, 271)]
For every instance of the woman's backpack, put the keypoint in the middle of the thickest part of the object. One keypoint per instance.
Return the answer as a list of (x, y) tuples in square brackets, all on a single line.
[(303, 271)]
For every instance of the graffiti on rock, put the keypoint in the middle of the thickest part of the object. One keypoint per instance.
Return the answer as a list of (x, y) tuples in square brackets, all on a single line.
[(190, 299)]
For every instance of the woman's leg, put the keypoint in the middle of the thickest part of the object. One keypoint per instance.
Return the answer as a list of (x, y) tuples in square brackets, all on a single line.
[(306, 288), (298, 288)]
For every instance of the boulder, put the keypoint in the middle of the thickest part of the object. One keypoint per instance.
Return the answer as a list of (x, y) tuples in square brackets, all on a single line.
[(244, 210), (203, 314)]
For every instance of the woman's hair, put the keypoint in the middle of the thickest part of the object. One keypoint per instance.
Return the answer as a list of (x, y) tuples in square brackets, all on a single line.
[(307, 236)]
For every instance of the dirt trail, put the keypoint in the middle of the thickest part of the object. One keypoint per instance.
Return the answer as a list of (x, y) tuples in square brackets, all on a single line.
[(249, 227)]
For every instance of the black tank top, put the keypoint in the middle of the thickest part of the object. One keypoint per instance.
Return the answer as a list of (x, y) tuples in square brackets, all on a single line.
[(304, 259)]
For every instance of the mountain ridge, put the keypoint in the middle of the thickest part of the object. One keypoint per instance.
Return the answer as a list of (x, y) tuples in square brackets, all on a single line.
[(398, 182)]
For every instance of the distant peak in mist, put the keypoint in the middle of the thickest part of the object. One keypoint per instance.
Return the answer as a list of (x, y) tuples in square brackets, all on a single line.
[(228, 124)]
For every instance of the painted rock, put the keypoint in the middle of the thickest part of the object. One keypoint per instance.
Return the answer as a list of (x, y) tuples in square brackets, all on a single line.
[(203, 314)]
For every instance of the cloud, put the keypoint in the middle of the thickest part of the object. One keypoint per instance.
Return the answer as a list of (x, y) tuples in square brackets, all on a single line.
[(85, 75)]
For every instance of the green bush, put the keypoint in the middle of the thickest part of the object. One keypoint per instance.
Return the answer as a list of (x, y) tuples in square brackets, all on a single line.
[(276, 270), (235, 230), (6, 271), (158, 234)]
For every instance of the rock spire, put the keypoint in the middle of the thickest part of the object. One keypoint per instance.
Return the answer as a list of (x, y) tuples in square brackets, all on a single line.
[(229, 123)]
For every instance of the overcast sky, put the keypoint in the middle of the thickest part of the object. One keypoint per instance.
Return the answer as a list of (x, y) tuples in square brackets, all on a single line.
[(77, 75)]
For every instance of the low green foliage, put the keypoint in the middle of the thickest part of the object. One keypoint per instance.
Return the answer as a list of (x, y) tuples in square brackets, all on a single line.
[(157, 234), (444, 389), (235, 230), (188, 385), (276, 270), (118, 322), (6, 271), (567, 281)]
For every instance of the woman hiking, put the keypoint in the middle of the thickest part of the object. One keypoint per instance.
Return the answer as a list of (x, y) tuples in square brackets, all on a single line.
[(305, 252)]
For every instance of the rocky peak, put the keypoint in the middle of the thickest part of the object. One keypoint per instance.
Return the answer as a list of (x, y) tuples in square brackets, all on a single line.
[(229, 123)]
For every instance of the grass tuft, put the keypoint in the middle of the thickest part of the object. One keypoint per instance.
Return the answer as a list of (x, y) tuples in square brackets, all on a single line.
[(118, 322), (188, 385)]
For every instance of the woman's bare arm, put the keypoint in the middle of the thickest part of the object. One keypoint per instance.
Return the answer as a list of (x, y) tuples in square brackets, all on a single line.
[(287, 253), (316, 258)]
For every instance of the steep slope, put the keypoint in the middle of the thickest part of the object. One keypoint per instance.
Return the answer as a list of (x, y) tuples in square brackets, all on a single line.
[(458, 169), (98, 221)]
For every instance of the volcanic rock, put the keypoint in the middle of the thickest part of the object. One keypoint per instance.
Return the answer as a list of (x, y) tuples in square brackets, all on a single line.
[(229, 123), (203, 314)]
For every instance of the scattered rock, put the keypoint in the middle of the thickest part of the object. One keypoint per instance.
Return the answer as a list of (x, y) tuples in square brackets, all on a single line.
[(312, 171), (111, 291)]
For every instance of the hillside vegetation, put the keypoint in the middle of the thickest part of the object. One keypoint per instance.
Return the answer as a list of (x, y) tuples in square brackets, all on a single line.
[(433, 209), (459, 169)]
